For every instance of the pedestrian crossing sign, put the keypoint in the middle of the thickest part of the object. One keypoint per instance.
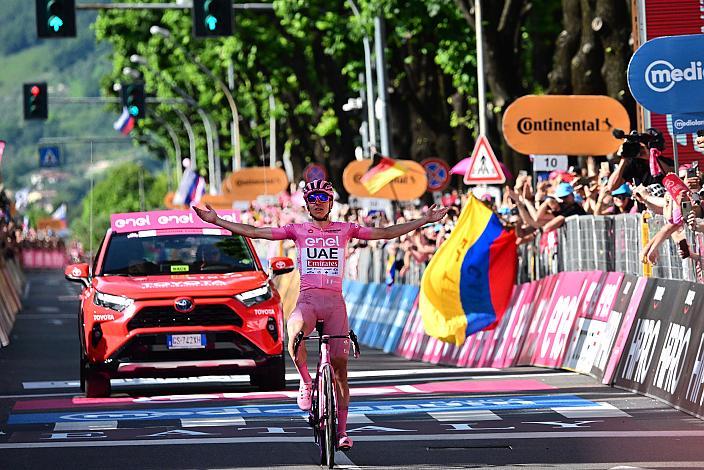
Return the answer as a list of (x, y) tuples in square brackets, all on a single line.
[(483, 166)]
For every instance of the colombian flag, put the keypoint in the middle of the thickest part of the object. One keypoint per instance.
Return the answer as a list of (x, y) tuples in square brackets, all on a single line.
[(381, 173), (468, 282)]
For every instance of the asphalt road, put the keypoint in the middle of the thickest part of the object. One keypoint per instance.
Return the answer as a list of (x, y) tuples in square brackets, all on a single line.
[(404, 414)]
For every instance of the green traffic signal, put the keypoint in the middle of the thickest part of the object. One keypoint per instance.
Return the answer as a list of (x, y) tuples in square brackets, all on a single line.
[(133, 98), (56, 18), (212, 18)]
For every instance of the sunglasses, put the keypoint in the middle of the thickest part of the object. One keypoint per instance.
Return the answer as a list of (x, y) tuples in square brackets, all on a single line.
[(319, 197)]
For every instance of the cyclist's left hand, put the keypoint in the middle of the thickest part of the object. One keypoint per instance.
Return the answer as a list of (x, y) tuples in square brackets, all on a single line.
[(436, 213)]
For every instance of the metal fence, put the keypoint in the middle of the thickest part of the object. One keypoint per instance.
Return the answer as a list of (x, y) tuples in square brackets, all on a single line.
[(584, 243)]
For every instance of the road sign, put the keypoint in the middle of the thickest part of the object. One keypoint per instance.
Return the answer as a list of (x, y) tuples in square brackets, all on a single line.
[(549, 162), (483, 166), (49, 157), (315, 171), (438, 172), (665, 74)]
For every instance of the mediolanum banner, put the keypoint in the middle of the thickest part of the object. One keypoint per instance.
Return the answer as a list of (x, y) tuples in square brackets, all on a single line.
[(564, 124), (666, 75)]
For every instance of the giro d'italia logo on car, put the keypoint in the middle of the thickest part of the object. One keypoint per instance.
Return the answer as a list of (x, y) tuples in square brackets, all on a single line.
[(183, 304), (661, 75)]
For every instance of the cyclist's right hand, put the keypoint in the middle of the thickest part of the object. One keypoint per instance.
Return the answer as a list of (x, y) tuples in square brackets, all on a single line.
[(209, 215)]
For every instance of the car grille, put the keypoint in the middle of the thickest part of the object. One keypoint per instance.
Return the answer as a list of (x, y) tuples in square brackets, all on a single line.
[(202, 315)]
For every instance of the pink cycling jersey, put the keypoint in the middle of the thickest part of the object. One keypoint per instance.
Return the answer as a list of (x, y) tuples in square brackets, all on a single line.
[(321, 252)]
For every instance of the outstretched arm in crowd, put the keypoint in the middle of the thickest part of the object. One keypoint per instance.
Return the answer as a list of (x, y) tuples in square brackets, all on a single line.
[(246, 230), (392, 231), (649, 253)]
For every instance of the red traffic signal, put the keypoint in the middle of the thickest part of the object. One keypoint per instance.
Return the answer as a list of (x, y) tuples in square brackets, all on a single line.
[(36, 100)]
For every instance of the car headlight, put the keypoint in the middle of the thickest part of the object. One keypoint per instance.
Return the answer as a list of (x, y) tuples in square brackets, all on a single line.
[(113, 302), (254, 296)]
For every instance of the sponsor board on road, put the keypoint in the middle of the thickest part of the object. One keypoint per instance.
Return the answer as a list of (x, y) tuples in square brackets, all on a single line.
[(369, 408)]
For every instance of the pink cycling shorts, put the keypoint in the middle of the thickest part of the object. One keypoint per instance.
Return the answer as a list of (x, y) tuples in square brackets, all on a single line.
[(328, 306)]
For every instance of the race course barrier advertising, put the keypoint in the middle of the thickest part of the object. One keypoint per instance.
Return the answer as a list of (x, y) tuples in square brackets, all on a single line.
[(11, 285), (564, 124), (644, 335)]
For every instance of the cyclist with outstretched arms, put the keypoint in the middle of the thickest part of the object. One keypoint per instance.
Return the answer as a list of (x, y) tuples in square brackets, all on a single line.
[(321, 260)]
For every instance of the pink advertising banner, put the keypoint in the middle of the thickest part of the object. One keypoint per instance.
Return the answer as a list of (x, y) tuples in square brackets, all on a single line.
[(539, 308), (515, 325), (592, 328), (165, 220), (551, 343), (624, 330)]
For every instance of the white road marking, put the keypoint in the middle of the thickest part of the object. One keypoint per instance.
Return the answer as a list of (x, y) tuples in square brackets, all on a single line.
[(355, 418), (469, 415), (86, 426), (48, 309), (26, 290), (204, 422), (39, 316), (342, 461), (68, 298), (290, 376), (503, 436), (409, 389), (600, 410)]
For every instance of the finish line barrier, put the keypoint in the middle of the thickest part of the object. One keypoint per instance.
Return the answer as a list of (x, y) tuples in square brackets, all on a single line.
[(640, 334)]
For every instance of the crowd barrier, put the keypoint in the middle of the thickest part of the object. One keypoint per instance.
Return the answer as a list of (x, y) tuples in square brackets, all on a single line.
[(43, 258), (639, 334), (11, 284)]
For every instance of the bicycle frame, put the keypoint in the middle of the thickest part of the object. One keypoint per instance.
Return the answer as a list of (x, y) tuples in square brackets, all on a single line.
[(323, 413)]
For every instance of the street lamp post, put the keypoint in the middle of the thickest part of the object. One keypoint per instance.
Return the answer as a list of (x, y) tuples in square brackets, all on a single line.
[(212, 143), (235, 135), (369, 82)]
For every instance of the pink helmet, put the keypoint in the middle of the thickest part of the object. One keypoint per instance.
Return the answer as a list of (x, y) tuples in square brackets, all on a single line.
[(318, 186)]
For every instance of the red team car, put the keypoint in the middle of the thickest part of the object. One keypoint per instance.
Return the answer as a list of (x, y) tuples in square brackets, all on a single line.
[(169, 295)]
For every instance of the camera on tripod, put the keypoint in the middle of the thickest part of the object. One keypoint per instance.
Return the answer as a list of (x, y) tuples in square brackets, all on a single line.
[(651, 138)]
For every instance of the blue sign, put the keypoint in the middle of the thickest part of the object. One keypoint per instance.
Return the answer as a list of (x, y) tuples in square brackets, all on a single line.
[(49, 157), (666, 75), (687, 123)]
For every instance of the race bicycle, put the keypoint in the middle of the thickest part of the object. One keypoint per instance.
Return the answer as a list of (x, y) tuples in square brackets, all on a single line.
[(323, 412)]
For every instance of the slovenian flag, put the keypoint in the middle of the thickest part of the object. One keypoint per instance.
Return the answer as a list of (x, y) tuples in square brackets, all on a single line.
[(125, 123), (468, 282), (382, 171), (191, 188)]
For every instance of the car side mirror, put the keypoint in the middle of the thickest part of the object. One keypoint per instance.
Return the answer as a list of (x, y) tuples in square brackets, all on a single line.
[(281, 265), (78, 273)]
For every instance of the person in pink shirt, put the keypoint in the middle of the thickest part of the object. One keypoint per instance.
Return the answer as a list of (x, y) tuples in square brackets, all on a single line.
[(321, 261)]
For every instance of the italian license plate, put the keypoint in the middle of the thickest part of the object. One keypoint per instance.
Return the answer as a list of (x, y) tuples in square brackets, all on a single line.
[(194, 341)]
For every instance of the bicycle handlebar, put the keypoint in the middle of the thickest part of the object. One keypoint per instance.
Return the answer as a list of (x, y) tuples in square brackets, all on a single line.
[(351, 336)]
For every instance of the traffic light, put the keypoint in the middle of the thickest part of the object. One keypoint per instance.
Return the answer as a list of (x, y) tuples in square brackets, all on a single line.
[(56, 18), (133, 99), (36, 101), (212, 18)]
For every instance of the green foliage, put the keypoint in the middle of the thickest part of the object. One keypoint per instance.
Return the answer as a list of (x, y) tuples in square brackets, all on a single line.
[(117, 192)]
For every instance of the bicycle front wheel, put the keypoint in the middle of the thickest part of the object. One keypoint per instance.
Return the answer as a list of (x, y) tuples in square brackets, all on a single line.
[(328, 415)]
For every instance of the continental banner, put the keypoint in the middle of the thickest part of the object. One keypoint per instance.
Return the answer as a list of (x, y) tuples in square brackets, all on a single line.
[(664, 354), (564, 124)]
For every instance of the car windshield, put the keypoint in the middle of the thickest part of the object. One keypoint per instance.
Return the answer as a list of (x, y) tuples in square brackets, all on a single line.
[(138, 255)]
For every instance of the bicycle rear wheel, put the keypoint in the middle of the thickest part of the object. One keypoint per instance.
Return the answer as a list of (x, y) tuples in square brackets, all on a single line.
[(328, 417)]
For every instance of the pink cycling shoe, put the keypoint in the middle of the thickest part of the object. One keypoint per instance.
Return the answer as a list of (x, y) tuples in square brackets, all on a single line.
[(304, 395), (345, 442)]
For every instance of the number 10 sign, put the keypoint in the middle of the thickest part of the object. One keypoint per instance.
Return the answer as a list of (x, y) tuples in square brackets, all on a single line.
[(549, 162)]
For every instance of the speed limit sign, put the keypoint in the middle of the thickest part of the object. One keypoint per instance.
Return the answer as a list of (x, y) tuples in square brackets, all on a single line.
[(549, 162)]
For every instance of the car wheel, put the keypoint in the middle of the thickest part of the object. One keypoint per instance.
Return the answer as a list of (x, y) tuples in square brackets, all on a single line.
[(272, 376), (97, 384)]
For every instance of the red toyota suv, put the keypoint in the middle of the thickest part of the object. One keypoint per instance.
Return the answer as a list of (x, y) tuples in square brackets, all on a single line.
[(169, 295)]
